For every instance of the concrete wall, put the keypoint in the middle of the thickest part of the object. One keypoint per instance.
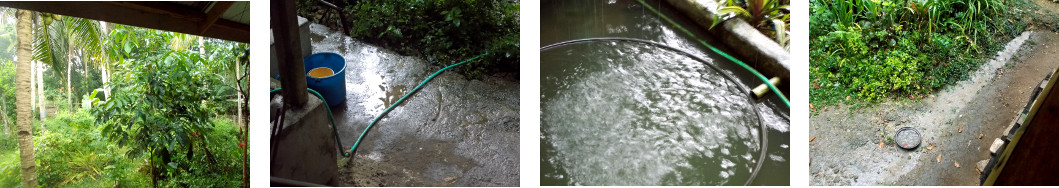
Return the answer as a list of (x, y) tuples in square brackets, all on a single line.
[(306, 149)]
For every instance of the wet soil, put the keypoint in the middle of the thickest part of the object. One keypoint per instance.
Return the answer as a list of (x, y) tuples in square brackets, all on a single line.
[(853, 146)]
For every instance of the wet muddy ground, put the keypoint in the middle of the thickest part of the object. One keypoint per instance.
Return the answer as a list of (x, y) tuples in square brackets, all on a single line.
[(957, 124), (452, 132)]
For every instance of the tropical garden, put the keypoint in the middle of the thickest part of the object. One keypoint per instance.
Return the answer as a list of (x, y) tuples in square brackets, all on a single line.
[(872, 50), (85, 103)]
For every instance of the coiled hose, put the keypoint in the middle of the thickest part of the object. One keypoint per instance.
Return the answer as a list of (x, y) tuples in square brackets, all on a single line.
[(750, 99)]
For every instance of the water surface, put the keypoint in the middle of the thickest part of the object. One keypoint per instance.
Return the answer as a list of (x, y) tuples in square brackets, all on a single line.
[(627, 113)]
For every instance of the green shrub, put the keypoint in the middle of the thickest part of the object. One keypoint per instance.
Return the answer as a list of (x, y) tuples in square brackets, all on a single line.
[(225, 171), (874, 50), (71, 153)]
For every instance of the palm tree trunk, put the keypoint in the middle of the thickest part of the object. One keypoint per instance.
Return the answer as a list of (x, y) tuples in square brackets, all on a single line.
[(40, 91), (3, 114), (105, 78), (25, 118), (33, 85), (69, 65)]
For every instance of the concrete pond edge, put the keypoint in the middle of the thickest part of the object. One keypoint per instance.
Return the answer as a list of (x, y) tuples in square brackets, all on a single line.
[(758, 50)]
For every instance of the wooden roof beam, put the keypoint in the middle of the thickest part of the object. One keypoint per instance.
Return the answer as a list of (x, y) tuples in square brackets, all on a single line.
[(155, 15), (211, 17)]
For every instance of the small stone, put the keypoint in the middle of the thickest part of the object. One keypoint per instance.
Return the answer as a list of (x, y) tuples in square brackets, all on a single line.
[(997, 143), (450, 179), (981, 165), (957, 164), (980, 135)]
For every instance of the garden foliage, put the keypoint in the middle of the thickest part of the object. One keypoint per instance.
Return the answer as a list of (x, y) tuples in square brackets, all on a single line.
[(166, 121), (445, 32), (78, 155), (877, 49)]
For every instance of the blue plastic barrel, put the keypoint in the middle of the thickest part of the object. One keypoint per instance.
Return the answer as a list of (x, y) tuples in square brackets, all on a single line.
[(332, 87)]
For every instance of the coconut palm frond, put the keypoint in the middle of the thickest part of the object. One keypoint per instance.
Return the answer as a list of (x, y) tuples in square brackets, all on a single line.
[(88, 36), (47, 48)]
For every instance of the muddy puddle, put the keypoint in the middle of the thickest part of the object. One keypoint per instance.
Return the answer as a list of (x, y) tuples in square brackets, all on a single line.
[(629, 113), (452, 132)]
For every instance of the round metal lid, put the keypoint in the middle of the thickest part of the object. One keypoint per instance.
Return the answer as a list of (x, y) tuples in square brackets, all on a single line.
[(908, 138)]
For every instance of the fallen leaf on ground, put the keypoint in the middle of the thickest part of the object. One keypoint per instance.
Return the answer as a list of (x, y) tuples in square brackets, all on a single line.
[(811, 139), (939, 158), (930, 148), (810, 106), (956, 163), (959, 129), (880, 144), (847, 98)]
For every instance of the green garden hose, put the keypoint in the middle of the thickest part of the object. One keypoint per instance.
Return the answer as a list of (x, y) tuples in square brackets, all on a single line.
[(718, 51), (355, 144)]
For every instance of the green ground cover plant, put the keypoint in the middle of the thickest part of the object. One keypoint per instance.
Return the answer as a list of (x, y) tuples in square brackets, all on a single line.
[(873, 50)]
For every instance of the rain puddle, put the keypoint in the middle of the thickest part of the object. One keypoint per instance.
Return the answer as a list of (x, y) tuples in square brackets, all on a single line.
[(393, 94), (629, 113)]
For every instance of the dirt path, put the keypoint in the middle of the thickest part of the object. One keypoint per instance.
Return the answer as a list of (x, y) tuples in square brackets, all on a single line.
[(958, 124)]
